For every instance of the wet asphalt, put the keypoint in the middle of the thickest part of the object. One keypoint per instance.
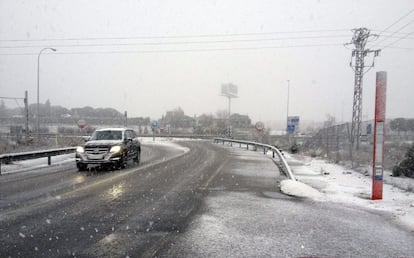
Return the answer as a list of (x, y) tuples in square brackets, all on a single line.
[(212, 201)]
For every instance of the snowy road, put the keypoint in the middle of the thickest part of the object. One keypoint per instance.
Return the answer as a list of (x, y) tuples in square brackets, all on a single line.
[(244, 215), (127, 212), (203, 200)]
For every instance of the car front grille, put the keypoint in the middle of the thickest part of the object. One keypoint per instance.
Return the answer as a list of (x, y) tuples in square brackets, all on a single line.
[(97, 150)]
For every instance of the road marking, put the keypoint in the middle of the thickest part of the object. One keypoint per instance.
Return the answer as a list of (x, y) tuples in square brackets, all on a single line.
[(204, 187)]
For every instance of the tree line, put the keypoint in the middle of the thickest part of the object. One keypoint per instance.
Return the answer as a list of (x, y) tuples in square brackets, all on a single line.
[(402, 125)]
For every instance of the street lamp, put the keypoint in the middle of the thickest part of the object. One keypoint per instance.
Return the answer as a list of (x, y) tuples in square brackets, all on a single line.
[(287, 108), (38, 80)]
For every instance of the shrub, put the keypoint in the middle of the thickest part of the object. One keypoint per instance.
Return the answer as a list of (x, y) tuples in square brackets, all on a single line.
[(406, 166), (294, 148)]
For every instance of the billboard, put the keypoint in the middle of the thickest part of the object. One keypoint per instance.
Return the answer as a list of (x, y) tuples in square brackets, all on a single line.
[(229, 90)]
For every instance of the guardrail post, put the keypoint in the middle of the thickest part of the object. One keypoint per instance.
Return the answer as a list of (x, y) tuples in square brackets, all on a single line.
[(264, 151), (273, 154), (240, 145), (247, 146), (0, 168), (231, 144), (49, 160)]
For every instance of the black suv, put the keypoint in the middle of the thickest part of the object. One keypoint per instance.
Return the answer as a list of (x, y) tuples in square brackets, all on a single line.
[(109, 147)]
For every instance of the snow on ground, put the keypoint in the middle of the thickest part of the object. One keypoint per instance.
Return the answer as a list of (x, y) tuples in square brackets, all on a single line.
[(299, 189), (342, 185), (163, 141), (26, 165)]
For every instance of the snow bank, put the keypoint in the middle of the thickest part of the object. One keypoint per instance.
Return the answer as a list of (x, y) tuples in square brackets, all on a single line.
[(167, 142), (298, 189), (343, 185), (27, 165)]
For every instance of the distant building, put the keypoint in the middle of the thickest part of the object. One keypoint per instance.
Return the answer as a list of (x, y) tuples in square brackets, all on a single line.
[(177, 119), (240, 121)]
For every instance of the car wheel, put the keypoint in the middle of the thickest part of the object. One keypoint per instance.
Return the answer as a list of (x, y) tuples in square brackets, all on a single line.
[(137, 158), (81, 167), (122, 163)]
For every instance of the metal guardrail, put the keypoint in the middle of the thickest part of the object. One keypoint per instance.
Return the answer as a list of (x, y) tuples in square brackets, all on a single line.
[(10, 157), (265, 147), (190, 136)]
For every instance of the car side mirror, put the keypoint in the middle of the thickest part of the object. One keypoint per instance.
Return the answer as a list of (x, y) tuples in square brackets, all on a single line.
[(86, 138)]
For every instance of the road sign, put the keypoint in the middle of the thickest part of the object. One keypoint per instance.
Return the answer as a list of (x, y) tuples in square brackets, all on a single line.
[(291, 128), (293, 120), (81, 123), (154, 124), (293, 124), (259, 126)]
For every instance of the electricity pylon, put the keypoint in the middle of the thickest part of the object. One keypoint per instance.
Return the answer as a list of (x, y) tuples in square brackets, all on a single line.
[(360, 39)]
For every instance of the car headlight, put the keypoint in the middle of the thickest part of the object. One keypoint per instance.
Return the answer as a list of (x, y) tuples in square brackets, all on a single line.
[(80, 149), (115, 149)]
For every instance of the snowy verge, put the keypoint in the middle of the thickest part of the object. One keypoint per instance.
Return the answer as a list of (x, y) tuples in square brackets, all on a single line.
[(167, 139), (343, 185), (166, 142), (30, 164)]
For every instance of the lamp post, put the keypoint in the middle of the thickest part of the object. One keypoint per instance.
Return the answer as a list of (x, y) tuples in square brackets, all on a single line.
[(38, 80), (287, 108)]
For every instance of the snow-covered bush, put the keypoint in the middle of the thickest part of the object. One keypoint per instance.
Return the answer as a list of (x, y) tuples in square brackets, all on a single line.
[(406, 166), (294, 148)]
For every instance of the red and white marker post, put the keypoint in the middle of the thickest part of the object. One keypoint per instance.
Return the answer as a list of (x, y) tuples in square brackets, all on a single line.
[(379, 136)]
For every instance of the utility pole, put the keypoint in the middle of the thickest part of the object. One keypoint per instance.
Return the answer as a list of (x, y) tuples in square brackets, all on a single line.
[(287, 107), (230, 91), (125, 119), (360, 39), (38, 86), (26, 114)]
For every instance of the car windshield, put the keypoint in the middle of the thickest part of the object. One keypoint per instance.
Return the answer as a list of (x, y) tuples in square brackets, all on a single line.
[(106, 135)]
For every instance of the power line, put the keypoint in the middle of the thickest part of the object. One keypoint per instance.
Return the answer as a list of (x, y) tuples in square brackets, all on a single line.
[(12, 98), (177, 42), (392, 43), (398, 20), (176, 50), (173, 36), (401, 28), (395, 32), (396, 47), (401, 37)]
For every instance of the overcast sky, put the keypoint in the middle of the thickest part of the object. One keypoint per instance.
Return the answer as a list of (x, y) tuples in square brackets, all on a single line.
[(138, 55)]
